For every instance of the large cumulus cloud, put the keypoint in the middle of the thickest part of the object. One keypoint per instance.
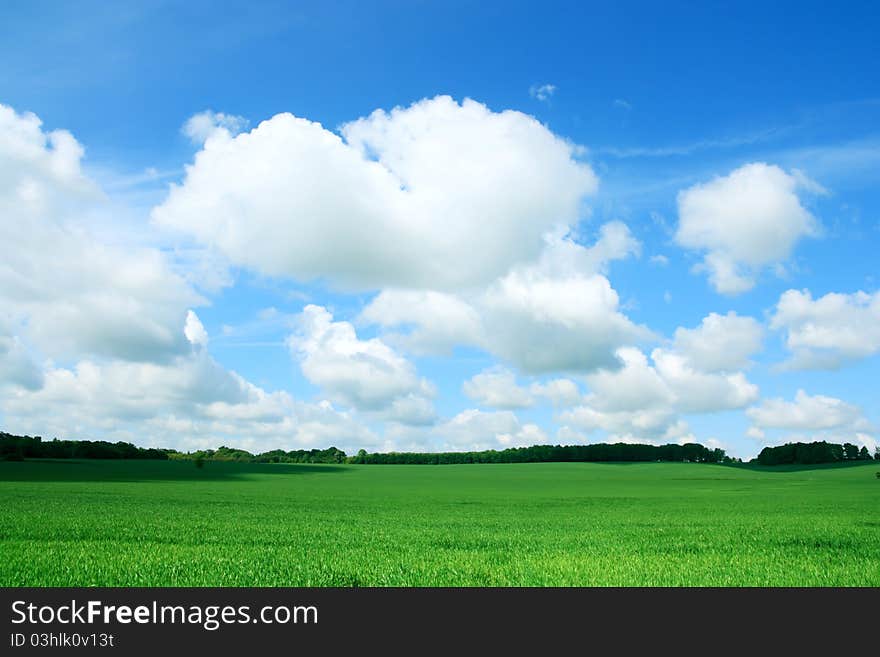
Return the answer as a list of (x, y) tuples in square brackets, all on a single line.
[(439, 194)]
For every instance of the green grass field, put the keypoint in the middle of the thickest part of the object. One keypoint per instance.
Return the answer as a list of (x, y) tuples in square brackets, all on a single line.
[(154, 523)]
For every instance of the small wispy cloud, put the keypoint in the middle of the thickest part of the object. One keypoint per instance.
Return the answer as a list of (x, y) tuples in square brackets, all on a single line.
[(842, 162), (148, 176), (697, 146), (660, 221), (542, 92), (659, 260), (260, 331), (622, 104), (200, 126)]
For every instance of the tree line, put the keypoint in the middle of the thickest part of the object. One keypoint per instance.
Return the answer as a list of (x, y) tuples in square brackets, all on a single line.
[(621, 452), (329, 455), (816, 452), (14, 447), (19, 447)]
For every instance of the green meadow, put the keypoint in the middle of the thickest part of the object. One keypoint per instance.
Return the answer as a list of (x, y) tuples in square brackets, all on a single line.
[(168, 523)]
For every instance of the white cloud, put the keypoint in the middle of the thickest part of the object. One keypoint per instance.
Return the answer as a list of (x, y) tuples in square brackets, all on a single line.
[(37, 167), (657, 425), (439, 320), (542, 92), (69, 292), (200, 127), (756, 433), (812, 418), (412, 410), (615, 242), (567, 436), (438, 195), (203, 267), (497, 388), (744, 222), (188, 403), (830, 331), (194, 330), (660, 260), (558, 314), (807, 413), (643, 399), (555, 314), (634, 386), (720, 342), (475, 430), (546, 324), (559, 392), (697, 391), (661, 389), (17, 368), (321, 425), (74, 286), (79, 297), (466, 222), (366, 374), (121, 390)]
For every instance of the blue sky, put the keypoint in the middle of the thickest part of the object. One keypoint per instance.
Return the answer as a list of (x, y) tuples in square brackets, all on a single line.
[(731, 154)]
